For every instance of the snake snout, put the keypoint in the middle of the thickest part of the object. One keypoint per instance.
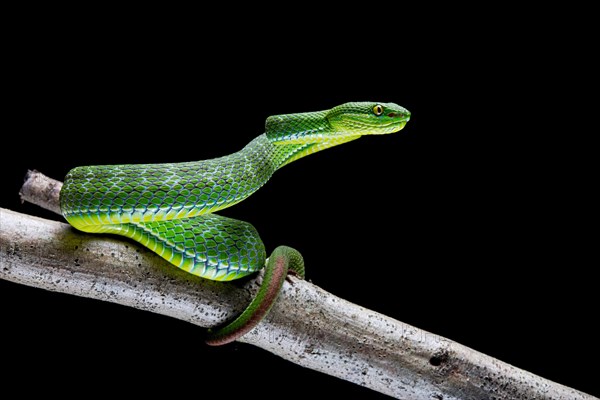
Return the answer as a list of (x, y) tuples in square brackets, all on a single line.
[(399, 113), (401, 116)]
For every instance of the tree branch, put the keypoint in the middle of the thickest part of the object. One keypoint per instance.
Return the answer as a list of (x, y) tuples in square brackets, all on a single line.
[(40, 190), (307, 325)]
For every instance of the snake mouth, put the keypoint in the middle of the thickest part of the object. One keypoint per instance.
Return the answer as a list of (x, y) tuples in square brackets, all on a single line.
[(401, 121), (396, 124), (402, 124), (396, 121)]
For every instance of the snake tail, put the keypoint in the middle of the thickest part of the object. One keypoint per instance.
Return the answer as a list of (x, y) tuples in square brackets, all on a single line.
[(283, 260)]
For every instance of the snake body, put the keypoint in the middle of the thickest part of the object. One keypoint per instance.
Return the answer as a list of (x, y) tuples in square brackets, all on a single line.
[(170, 207)]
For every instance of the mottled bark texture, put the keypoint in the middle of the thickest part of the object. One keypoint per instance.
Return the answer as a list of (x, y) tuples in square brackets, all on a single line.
[(307, 325)]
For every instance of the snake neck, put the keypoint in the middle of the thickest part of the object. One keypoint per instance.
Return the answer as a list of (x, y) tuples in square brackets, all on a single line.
[(296, 128), (294, 136)]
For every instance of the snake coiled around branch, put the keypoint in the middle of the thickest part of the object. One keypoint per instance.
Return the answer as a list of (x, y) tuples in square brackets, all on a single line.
[(170, 208)]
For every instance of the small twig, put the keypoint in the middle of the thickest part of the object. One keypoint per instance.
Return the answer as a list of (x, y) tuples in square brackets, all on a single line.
[(41, 190), (307, 325)]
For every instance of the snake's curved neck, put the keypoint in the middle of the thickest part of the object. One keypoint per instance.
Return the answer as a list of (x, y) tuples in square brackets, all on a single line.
[(294, 136), (296, 128)]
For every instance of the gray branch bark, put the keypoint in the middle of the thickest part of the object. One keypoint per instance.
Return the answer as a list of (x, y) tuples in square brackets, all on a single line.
[(307, 325)]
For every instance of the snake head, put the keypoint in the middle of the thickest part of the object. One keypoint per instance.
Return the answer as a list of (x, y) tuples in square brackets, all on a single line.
[(344, 122), (367, 118)]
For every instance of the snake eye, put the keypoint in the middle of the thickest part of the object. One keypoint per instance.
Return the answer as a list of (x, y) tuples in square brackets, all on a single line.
[(378, 109)]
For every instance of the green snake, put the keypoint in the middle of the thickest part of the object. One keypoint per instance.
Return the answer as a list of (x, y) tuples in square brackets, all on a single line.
[(170, 207)]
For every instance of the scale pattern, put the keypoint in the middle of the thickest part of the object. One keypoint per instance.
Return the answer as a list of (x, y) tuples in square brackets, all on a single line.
[(281, 128), (211, 246), (94, 196)]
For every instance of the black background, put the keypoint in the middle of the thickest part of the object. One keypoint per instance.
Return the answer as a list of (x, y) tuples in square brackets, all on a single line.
[(462, 224)]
